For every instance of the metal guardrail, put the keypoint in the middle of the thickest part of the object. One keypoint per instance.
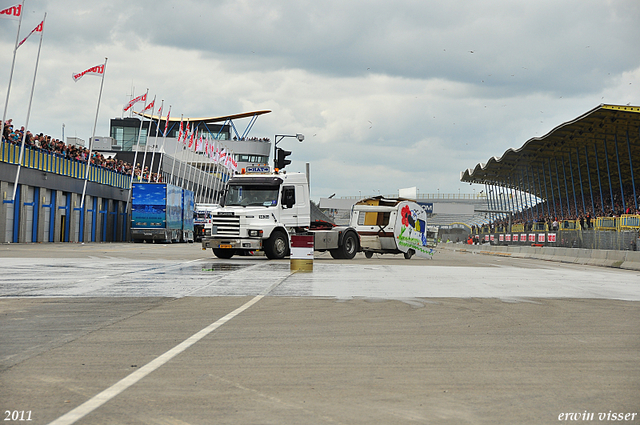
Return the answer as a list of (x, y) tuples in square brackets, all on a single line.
[(569, 225), (606, 223), (629, 222)]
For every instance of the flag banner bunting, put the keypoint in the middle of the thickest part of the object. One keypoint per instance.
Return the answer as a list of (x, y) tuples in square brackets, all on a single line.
[(149, 106), (191, 137), (141, 98), (36, 29), (94, 70), (166, 123), (12, 12), (199, 143)]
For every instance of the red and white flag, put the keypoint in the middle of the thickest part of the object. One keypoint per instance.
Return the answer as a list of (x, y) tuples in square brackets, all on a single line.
[(149, 106), (166, 123), (191, 132), (141, 98), (181, 132), (12, 12), (94, 70), (36, 29), (199, 143)]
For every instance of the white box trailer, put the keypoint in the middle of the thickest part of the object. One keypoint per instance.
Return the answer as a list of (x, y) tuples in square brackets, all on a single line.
[(393, 226)]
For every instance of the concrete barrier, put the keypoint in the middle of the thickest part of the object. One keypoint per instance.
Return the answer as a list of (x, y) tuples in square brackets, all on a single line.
[(629, 260)]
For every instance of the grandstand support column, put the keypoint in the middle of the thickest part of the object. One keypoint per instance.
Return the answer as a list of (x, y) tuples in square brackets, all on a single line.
[(60, 212), (546, 195), (633, 182), (555, 160), (553, 196), (566, 188), (89, 216), (502, 198), (584, 207), (486, 190), (43, 212), (74, 218), (22, 214), (606, 158), (573, 187), (526, 171), (99, 219), (521, 200), (4, 212), (595, 147), (624, 203), (531, 180), (536, 177), (586, 160)]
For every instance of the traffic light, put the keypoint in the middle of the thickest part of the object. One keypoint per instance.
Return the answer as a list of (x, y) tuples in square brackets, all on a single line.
[(281, 160)]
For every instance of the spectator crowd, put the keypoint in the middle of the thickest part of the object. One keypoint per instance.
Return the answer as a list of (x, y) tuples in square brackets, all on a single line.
[(45, 143), (555, 213)]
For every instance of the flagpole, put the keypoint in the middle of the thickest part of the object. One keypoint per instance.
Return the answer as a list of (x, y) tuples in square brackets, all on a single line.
[(216, 160), (192, 169), (93, 135), (201, 177), (135, 156), (155, 144), (175, 152), (13, 63), (164, 137), (26, 124), (146, 144), (184, 136)]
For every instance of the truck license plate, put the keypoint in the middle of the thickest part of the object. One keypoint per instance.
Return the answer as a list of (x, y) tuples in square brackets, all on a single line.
[(223, 246)]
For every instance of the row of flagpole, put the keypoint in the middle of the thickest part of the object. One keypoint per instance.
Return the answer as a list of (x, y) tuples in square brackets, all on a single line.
[(217, 159)]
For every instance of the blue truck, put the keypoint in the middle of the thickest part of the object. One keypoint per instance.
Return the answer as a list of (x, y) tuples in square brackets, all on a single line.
[(161, 212)]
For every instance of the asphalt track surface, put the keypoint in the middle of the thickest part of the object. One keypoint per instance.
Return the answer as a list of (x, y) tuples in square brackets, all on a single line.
[(167, 334)]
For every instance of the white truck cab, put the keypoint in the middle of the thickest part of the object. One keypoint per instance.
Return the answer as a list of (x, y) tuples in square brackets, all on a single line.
[(262, 211)]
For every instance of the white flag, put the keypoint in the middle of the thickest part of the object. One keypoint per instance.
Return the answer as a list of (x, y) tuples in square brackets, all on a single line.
[(36, 29), (94, 70), (12, 12)]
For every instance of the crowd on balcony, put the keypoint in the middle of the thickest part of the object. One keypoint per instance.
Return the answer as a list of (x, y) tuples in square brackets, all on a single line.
[(46, 143)]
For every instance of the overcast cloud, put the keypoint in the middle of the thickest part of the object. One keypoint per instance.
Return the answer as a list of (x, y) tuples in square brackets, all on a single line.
[(388, 94)]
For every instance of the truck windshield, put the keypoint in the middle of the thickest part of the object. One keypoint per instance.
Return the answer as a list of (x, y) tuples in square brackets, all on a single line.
[(252, 195)]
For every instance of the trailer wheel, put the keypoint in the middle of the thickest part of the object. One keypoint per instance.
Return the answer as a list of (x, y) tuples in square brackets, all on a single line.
[(348, 249), (277, 246), (409, 254), (368, 254), (224, 254)]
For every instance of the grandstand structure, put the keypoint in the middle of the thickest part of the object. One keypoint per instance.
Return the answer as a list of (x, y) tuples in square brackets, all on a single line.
[(583, 175)]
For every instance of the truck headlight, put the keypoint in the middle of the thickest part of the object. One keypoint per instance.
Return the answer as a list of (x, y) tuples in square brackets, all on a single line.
[(255, 233)]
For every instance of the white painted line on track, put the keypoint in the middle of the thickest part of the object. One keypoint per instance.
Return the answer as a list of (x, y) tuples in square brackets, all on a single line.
[(126, 382)]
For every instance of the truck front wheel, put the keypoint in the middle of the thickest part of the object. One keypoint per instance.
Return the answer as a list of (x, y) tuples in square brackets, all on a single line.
[(224, 254), (277, 246)]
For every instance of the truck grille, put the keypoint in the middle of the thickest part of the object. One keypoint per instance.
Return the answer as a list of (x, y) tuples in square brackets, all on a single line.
[(225, 226)]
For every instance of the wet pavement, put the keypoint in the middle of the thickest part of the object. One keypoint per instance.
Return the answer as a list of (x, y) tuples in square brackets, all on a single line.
[(460, 339)]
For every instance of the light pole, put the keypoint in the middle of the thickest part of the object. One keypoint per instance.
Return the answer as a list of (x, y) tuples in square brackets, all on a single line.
[(278, 138)]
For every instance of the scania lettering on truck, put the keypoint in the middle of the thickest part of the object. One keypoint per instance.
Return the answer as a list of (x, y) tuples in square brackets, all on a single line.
[(260, 212)]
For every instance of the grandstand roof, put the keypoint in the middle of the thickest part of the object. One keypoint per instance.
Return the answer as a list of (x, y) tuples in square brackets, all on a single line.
[(209, 120), (613, 131)]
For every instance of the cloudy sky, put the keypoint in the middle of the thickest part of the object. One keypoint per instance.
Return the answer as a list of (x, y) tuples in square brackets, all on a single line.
[(388, 94)]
